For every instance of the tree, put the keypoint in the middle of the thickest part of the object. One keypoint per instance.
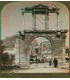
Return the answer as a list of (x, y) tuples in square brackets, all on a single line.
[(2, 49), (5, 58)]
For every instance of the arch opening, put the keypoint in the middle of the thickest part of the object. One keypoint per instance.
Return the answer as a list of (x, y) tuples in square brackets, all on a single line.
[(40, 50)]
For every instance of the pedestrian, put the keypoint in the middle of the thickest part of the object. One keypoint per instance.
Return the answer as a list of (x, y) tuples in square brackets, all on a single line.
[(55, 61), (45, 61), (50, 62)]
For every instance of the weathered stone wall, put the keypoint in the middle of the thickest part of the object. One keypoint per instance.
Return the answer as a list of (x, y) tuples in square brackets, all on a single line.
[(58, 45)]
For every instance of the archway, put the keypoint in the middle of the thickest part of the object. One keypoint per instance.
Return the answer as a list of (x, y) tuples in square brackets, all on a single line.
[(38, 48), (16, 11), (41, 50)]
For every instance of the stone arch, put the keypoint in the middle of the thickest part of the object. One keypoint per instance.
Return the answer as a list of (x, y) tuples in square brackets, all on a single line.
[(32, 38), (28, 42)]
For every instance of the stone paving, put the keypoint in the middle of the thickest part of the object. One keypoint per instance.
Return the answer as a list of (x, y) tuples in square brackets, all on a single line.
[(43, 68)]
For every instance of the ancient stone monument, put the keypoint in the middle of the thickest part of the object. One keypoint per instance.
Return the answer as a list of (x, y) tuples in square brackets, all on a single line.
[(56, 36)]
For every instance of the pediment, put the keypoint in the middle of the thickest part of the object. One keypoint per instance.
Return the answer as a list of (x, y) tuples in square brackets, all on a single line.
[(40, 6)]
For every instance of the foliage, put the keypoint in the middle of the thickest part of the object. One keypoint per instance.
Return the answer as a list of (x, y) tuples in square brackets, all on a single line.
[(5, 58), (2, 47)]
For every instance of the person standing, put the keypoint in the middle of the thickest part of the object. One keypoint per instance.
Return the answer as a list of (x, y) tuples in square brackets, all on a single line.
[(55, 61), (45, 61), (50, 62)]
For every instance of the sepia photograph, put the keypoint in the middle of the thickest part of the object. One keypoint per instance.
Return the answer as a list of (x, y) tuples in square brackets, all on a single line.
[(34, 37)]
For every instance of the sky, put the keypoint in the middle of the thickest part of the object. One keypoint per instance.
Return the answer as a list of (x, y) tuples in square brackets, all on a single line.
[(13, 20)]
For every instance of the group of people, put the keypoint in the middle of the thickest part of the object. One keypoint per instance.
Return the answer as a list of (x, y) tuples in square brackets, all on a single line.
[(55, 62)]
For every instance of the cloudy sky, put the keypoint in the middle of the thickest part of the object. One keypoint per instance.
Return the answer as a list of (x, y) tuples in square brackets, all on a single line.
[(13, 21)]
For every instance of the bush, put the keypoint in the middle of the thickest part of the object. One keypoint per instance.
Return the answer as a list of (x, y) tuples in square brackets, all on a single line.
[(5, 60)]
